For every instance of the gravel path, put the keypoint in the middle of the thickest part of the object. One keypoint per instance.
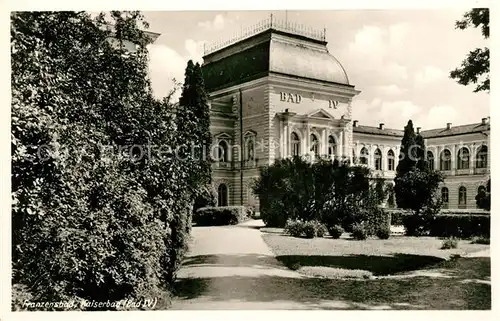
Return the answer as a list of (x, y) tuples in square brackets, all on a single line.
[(227, 268)]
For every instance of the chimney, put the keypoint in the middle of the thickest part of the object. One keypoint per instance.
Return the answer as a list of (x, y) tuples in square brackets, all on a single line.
[(355, 123), (381, 126), (418, 130), (448, 125), (483, 121)]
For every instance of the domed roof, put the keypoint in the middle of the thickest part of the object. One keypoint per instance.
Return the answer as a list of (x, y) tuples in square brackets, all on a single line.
[(272, 51), (307, 62)]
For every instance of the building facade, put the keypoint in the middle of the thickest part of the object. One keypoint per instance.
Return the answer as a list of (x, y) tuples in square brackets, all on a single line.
[(277, 92)]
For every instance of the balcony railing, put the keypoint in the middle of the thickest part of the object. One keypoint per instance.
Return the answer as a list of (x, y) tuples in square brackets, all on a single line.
[(483, 170), (266, 24)]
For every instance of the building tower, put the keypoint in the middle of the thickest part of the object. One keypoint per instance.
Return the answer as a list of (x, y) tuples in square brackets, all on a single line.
[(275, 91)]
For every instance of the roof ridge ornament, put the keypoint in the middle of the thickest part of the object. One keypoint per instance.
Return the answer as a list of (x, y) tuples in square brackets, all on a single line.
[(268, 24)]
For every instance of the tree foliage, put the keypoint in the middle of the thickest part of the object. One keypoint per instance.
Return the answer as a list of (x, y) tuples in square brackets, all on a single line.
[(475, 68), (331, 192), (407, 163), (415, 184), (99, 211), (193, 122)]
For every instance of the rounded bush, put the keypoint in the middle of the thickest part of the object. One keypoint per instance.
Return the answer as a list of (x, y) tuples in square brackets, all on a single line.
[(449, 243), (335, 231), (383, 233), (321, 229), (309, 229), (294, 228), (359, 232)]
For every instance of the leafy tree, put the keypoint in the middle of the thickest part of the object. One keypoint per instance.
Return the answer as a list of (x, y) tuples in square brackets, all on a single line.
[(483, 198), (193, 123), (416, 185), (477, 63), (407, 163), (421, 152), (98, 212)]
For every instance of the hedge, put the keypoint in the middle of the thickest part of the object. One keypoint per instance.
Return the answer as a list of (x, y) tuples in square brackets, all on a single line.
[(463, 226), (224, 215), (450, 223), (396, 215)]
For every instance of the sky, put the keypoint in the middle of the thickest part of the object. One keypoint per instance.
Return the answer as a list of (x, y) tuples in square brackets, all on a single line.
[(399, 59)]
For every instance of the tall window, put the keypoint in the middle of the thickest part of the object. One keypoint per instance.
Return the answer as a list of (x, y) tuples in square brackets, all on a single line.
[(482, 157), (378, 159), (445, 160), (223, 155), (314, 145), (331, 146), (295, 144), (363, 157), (462, 196), (222, 195), (445, 196), (390, 160), (430, 160), (481, 190), (463, 158)]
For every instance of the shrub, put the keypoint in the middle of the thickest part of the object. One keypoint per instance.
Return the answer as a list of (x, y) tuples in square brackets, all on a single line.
[(294, 228), (206, 198), (384, 232), (335, 231), (223, 215), (480, 240), (332, 188), (309, 229), (359, 232), (321, 229), (449, 243)]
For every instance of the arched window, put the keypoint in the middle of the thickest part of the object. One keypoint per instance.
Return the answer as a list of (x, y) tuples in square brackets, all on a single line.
[(378, 159), (363, 158), (481, 190), (295, 144), (314, 145), (445, 196), (463, 158), (331, 146), (390, 160), (430, 160), (223, 155), (445, 160), (482, 157), (222, 195), (462, 196)]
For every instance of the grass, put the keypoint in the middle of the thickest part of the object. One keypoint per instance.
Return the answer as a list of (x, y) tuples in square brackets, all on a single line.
[(401, 272), (458, 291)]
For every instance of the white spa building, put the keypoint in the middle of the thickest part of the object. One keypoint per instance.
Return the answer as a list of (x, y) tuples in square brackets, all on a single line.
[(277, 92)]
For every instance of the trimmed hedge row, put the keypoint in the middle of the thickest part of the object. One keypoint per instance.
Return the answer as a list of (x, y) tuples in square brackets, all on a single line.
[(447, 224), (396, 215), (223, 215), (463, 226)]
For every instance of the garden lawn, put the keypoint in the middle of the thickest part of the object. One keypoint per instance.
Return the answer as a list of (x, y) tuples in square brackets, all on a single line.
[(401, 272)]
